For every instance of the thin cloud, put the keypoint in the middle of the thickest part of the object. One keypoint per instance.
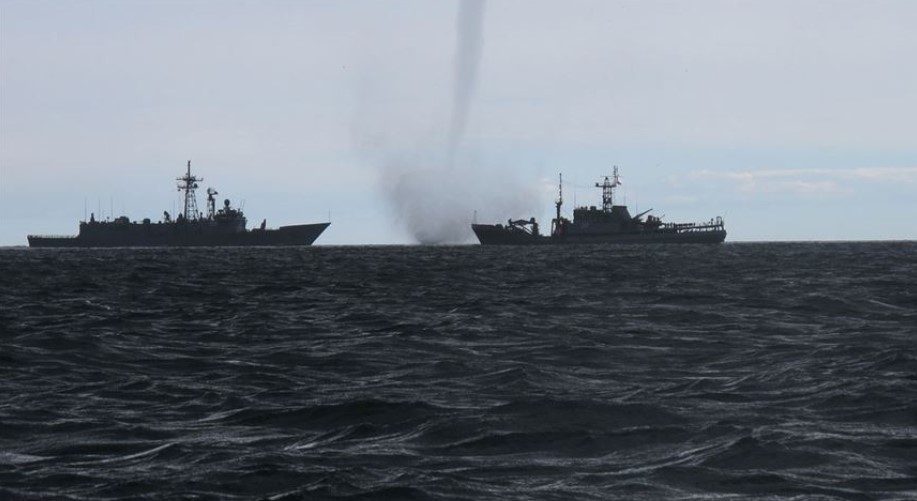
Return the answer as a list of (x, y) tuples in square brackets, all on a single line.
[(775, 181), (893, 174), (810, 181)]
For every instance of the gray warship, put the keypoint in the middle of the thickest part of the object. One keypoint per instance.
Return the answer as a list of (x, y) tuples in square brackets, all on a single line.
[(225, 226), (610, 224)]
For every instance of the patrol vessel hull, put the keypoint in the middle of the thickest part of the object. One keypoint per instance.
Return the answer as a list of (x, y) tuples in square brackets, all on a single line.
[(496, 234), (609, 224)]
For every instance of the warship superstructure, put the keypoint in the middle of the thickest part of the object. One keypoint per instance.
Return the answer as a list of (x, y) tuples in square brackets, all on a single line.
[(225, 226), (609, 224)]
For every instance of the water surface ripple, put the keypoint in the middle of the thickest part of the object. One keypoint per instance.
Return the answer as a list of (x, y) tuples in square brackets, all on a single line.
[(740, 371)]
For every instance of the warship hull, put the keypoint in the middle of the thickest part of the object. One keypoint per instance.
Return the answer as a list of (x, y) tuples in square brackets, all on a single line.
[(189, 235), (224, 227), (496, 234)]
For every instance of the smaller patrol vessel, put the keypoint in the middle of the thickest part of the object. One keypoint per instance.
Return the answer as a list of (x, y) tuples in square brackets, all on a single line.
[(610, 224), (219, 227)]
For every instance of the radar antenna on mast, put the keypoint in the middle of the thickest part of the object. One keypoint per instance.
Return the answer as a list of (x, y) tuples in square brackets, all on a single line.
[(188, 184)]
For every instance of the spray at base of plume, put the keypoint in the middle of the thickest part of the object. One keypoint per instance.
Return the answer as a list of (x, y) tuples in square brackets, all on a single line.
[(437, 207)]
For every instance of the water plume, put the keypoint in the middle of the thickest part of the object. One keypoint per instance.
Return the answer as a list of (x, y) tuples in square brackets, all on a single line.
[(469, 44), (437, 189)]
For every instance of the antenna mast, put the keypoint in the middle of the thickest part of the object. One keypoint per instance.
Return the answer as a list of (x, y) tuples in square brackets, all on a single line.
[(188, 184), (556, 223), (608, 190)]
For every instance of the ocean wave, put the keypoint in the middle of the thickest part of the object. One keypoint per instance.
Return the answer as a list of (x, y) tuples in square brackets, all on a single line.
[(741, 371)]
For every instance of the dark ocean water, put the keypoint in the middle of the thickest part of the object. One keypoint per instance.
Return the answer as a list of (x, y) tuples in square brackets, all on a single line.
[(740, 371)]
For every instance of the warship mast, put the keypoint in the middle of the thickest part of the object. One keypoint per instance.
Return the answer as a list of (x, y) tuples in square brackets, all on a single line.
[(608, 191), (556, 223), (188, 184), (211, 203)]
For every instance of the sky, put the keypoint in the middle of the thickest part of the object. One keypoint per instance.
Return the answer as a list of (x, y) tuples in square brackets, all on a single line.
[(402, 121)]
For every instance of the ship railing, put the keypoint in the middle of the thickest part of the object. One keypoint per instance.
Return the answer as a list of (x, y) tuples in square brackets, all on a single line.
[(712, 225), (52, 236)]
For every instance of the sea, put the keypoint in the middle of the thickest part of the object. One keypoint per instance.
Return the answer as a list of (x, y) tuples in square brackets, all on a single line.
[(762, 371)]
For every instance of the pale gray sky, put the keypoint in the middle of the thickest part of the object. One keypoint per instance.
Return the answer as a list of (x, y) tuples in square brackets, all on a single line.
[(795, 120)]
